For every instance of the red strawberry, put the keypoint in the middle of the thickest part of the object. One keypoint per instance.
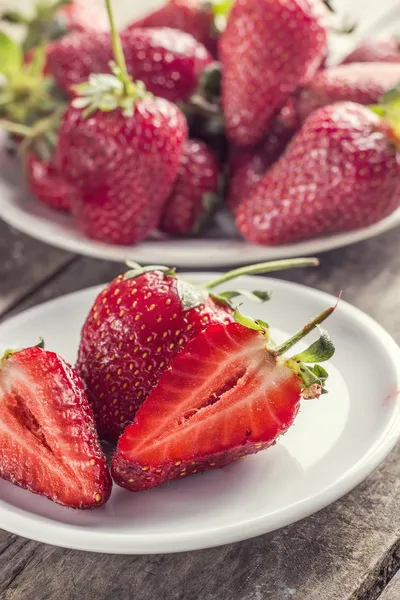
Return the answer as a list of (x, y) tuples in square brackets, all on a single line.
[(228, 395), (193, 16), (268, 49), (340, 172), (364, 83), (375, 51), (123, 167), (168, 61), (249, 165), (48, 441), (47, 184), (124, 159), (195, 192), (135, 328)]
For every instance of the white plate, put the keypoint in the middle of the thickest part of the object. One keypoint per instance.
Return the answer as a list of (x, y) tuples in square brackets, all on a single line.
[(335, 443), (223, 246)]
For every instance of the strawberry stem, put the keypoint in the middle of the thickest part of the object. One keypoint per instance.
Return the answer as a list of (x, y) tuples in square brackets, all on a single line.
[(285, 346), (16, 128), (118, 51), (267, 267)]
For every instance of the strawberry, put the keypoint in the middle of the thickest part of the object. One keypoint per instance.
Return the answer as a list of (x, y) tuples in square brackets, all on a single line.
[(364, 83), (268, 49), (47, 184), (53, 20), (192, 16), (195, 192), (124, 159), (249, 165), (169, 62), (135, 328), (48, 441), (340, 172), (375, 51), (229, 394)]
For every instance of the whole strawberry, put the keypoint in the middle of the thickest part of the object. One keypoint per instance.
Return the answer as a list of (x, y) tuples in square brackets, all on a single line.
[(46, 183), (268, 49), (249, 165), (54, 19), (230, 394), (195, 192), (340, 172), (364, 83), (48, 441), (120, 148), (375, 51), (193, 16), (135, 328), (169, 62)]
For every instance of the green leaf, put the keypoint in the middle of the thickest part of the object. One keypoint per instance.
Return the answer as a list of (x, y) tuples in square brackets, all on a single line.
[(255, 296), (320, 351), (250, 323), (190, 295), (11, 57)]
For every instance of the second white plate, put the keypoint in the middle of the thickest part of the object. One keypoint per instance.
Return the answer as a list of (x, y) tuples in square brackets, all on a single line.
[(335, 443)]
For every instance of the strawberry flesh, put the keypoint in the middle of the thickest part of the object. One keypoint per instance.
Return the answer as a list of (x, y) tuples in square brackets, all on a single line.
[(224, 397), (48, 441)]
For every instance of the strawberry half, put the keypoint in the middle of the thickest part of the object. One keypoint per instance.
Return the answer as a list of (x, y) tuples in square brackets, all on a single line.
[(48, 441), (228, 395), (136, 327)]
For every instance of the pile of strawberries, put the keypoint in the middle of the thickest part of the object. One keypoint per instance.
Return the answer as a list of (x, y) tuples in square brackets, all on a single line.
[(169, 372), (199, 105)]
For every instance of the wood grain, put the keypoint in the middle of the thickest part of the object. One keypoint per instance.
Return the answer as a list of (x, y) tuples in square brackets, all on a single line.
[(25, 264)]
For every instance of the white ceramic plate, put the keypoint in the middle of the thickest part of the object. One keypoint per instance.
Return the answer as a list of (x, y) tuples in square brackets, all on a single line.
[(222, 247), (335, 443)]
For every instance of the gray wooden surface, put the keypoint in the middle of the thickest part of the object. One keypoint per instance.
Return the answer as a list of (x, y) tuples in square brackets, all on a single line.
[(348, 551)]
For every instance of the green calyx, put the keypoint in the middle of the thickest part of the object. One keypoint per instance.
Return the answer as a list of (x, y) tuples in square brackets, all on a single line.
[(305, 364), (109, 92), (40, 138), (26, 94), (389, 110)]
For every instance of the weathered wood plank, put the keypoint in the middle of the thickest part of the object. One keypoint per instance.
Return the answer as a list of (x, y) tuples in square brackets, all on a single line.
[(392, 592), (25, 264)]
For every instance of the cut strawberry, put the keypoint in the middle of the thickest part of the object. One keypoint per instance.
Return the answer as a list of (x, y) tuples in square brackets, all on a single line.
[(229, 394), (48, 441)]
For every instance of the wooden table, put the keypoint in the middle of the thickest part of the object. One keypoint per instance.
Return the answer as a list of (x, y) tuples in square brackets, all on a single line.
[(349, 551)]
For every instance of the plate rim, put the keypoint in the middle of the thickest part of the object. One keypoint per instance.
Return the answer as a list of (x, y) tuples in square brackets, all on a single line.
[(12, 212), (77, 538)]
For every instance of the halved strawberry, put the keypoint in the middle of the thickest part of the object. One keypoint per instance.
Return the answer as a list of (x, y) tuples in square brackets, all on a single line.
[(229, 394), (136, 327), (48, 441)]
